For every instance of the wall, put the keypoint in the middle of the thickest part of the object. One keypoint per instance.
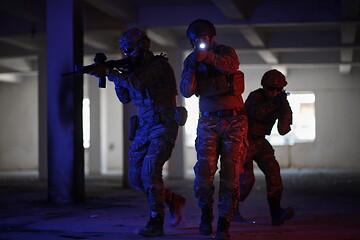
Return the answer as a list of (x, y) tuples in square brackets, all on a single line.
[(18, 125), (111, 127), (337, 124)]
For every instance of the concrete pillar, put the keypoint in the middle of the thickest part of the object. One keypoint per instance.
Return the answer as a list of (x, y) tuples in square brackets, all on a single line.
[(64, 95), (177, 161), (104, 155), (96, 166), (42, 103), (128, 111)]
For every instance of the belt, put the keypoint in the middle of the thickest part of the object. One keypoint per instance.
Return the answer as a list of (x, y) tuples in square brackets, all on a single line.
[(158, 117), (225, 113)]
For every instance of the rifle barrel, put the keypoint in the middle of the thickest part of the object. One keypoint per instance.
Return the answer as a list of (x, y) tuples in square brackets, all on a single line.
[(69, 73)]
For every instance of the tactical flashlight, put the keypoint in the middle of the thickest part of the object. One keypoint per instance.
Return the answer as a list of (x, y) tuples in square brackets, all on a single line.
[(202, 45)]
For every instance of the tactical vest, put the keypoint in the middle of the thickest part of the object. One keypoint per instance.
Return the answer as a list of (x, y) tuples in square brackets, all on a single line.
[(261, 126), (212, 82), (155, 95), (141, 98)]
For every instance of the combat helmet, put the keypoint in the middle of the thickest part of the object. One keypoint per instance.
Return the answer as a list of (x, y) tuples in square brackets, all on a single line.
[(273, 78), (199, 28), (133, 37)]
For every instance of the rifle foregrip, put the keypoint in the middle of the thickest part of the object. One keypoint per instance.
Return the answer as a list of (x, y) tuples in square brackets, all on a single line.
[(102, 82)]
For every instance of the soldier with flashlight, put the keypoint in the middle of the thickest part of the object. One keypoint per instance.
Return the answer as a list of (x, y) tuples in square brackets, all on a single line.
[(211, 73)]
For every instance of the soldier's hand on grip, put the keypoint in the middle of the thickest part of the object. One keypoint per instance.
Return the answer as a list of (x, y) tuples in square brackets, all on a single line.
[(280, 99), (281, 102), (200, 55), (99, 71), (192, 63)]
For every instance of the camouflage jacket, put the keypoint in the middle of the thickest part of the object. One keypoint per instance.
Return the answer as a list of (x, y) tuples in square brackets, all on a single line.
[(262, 114), (208, 79), (151, 85)]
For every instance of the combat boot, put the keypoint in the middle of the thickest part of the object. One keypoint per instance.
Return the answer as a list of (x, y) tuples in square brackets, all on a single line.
[(285, 214), (207, 217), (176, 203), (238, 217), (278, 214), (222, 232), (154, 227)]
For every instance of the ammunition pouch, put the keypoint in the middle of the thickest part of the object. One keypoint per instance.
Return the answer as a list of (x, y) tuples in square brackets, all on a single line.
[(134, 125), (236, 83), (212, 86), (181, 115)]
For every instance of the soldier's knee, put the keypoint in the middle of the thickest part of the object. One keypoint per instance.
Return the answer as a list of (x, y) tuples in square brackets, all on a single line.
[(204, 169), (230, 172)]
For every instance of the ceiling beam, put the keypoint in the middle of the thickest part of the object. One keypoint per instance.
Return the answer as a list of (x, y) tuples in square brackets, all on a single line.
[(25, 42), (161, 39), (255, 40), (350, 11), (124, 10), (34, 12), (20, 64), (229, 9), (102, 40)]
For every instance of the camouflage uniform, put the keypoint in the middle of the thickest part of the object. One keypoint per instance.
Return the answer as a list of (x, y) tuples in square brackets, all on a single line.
[(222, 127), (262, 113), (149, 82), (151, 85)]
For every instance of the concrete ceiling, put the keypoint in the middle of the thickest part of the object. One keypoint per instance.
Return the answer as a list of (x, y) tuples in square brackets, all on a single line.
[(285, 34)]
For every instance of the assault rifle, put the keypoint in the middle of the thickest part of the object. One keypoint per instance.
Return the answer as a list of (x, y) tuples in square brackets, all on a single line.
[(100, 58)]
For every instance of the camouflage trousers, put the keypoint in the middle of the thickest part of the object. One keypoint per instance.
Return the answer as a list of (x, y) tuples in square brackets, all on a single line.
[(151, 148), (223, 137), (261, 151)]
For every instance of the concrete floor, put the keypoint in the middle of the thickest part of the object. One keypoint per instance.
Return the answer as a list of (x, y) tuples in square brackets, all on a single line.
[(327, 205)]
